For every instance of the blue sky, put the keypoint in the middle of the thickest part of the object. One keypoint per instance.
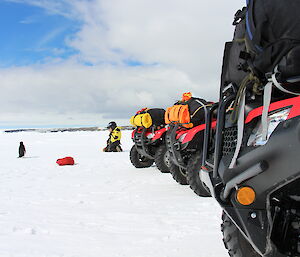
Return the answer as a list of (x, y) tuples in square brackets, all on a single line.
[(29, 35), (85, 62)]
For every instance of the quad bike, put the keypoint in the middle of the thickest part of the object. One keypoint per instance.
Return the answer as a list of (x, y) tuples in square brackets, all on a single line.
[(185, 147), (181, 146), (260, 195), (184, 137), (149, 147), (185, 140), (251, 161)]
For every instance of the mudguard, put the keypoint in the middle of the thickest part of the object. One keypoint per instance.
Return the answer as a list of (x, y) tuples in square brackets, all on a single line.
[(159, 134), (192, 132)]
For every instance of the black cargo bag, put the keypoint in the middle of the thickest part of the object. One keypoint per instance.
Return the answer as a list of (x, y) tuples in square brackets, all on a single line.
[(157, 115), (197, 110), (273, 35), (235, 67)]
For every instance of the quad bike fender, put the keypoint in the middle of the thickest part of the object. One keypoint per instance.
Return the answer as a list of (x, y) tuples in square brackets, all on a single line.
[(192, 132), (293, 102), (133, 133), (138, 130), (159, 134), (148, 133)]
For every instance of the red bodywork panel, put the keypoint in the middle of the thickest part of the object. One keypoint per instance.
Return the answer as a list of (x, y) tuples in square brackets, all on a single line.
[(138, 130), (179, 133), (192, 132), (159, 133), (293, 102)]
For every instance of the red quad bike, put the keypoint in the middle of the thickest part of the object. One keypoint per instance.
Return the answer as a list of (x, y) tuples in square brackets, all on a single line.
[(149, 147), (251, 162), (185, 147)]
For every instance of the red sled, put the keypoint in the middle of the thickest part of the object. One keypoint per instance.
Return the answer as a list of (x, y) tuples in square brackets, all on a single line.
[(65, 161)]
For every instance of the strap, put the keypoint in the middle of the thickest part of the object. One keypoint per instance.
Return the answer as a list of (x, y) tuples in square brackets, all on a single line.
[(240, 123), (203, 105), (267, 101), (278, 85), (195, 112), (199, 108), (264, 116)]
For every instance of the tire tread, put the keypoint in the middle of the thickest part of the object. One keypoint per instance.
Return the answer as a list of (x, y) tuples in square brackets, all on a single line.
[(234, 241), (177, 175), (134, 158), (192, 175), (159, 159)]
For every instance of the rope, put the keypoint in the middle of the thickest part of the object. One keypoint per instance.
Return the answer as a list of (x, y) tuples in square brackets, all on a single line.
[(237, 102)]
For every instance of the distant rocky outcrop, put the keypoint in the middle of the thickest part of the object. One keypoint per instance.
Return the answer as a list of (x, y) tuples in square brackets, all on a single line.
[(54, 130)]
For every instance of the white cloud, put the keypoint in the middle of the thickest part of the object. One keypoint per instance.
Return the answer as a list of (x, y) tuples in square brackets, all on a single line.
[(50, 36), (184, 39), (105, 91)]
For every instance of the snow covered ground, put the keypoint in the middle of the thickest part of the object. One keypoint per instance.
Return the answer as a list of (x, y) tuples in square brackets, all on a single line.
[(101, 207)]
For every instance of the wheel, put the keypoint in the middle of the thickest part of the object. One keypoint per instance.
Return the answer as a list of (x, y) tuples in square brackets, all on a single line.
[(178, 174), (162, 159), (193, 175), (138, 160), (234, 241)]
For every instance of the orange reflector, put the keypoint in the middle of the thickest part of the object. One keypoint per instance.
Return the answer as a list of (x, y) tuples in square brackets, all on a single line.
[(245, 195)]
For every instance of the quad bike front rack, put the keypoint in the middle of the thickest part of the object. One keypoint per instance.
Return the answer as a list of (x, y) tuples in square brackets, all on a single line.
[(141, 141), (219, 132), (206, 161), (174, 147)]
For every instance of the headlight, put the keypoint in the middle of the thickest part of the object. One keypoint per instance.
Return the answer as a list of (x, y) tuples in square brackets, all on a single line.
[(274, 120), (182, 137), (150, 136)]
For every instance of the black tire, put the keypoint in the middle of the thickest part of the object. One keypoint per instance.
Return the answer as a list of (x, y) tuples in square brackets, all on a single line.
[(193, 175), (178, 174), (161, 159), (138, 160), (234, 241)]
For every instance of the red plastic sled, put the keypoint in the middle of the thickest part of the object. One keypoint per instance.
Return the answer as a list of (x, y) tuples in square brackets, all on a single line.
[(65, 161)]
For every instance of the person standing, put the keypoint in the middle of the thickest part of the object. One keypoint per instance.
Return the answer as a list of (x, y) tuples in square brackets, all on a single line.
[(22, 150), (114, 140)]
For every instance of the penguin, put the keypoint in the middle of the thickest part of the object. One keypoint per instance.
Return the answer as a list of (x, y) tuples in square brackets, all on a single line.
[(22, 150)]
